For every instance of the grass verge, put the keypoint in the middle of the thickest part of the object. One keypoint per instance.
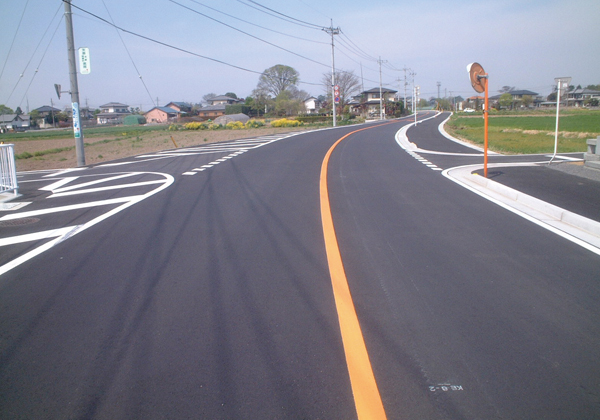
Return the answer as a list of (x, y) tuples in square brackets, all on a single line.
[(529, 134)]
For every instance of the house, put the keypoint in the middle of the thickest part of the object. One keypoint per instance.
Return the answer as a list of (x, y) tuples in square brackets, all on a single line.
[(212, 111), (14, 122), (161, 115), (517, 95), (46, 110), (217, 106), (473, 102), (112, 113), (182, 107), (312, 105), (579, 97), (42, 113), (222, 99), (370, 100)]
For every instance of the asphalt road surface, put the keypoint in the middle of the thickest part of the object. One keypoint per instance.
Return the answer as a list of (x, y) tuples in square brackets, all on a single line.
[(202, 283)]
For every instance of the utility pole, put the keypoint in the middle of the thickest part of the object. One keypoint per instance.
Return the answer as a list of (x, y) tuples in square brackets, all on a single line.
[(413, 105), (438, 85), (52, 111), (77, 131), (405, 84), (333, 31), (380, 89)]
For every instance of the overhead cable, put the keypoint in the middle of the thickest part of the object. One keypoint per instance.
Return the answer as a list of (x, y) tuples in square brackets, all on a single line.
[(258, 26), (357, 47), (174, 47), (33, 54), (280, 15), (250, 35), (130, 57), (13, 40), (42, 59)]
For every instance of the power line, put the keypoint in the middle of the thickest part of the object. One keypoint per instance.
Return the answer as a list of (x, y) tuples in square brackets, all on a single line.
[(363, 53), (258, 26), (176, 48), (32, 55), (165, 44), (126, 49), (315, 9), (41, 60), (13, 40), (246, 33), (292, 19)]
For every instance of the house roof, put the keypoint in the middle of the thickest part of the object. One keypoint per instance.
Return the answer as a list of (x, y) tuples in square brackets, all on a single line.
[(165, 109), (180, 104), (219, 107), (114, 105), (46, 108), (522, 92), (584, 92), (383, 90), (7, 117), (223, 98)]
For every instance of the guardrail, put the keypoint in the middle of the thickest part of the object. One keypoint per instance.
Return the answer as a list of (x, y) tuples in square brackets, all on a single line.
[(8, 170)]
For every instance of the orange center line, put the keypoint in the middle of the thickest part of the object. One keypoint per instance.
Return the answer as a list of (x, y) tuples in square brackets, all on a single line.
[(364, 387)]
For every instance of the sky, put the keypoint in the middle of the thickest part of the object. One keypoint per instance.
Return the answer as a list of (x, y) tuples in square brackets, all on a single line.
[(520, 43)]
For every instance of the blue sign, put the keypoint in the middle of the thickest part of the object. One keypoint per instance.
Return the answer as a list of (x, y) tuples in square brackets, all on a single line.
[(76, 122)]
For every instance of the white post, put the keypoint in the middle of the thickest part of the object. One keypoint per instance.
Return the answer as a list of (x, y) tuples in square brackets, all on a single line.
[(561, 82)]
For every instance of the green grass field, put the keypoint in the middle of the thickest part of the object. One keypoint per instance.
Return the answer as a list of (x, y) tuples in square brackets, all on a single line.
[(88, 132), (531, 133)]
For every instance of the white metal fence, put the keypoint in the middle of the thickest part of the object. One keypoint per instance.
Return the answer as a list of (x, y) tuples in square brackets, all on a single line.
[(8, 170)]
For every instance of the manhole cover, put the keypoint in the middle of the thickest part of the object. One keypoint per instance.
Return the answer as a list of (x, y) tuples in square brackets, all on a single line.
[(19, 222)]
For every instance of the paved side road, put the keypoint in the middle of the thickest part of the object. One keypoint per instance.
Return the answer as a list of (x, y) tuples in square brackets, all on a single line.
[(564, 195)]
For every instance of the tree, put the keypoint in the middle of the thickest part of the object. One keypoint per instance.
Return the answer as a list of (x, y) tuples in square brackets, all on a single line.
[(423, 103), (506, 89), (18, 111), (593, 87), (347, 81), (286, 105), (33, 117), (261, 101), (277, 79), (5, 110), (206, 98), (526, 100), (231, 95), (505, 100)]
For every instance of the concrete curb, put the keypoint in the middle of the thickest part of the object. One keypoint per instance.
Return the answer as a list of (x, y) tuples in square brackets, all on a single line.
[(572, 226)]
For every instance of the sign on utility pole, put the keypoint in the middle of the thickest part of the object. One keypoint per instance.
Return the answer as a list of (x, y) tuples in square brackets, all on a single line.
[(84, 61)]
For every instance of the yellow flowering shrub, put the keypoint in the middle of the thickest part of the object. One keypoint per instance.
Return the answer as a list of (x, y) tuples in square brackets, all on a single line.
[(284, 122), (235, 125)]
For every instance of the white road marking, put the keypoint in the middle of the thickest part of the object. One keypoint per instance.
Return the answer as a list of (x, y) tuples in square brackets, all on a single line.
[(112, 187), (34, 213), (37, 236), (63, 234), (59, 183)]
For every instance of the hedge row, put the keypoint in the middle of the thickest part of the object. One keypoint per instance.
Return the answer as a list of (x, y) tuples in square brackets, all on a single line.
[(234, 125)]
